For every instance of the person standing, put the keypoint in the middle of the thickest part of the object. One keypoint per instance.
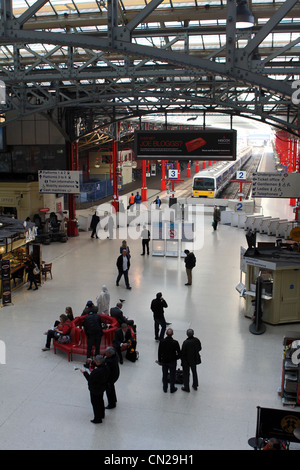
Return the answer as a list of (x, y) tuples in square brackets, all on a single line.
[(30, 268), (157, 202), (94, 223), (103, 301), (137, 200), (216, 217), (110, 227), (124, 246), (157, 306), (190, 358), (123, 265), (112, 364), (190, 263), (168, 353), (97, 382), (131, 202), (93, 330), (145, 239)]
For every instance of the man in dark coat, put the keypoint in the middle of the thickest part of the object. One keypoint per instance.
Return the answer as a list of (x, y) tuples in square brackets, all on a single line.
[(122, 340), (94, 222), (93, 330), (190, 263), (117, 313), (97, 381), (157, 306), (112, 364), (168, 353), (190, 357), (123, 265)]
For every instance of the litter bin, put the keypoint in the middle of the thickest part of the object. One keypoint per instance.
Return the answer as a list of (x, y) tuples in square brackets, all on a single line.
[(172, 201)]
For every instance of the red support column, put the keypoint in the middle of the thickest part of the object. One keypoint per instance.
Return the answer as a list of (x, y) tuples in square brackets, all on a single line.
[(163, 184), (115, 202), (188, 170), (144, 195), (293, 164), (178, 169), (72, 225)]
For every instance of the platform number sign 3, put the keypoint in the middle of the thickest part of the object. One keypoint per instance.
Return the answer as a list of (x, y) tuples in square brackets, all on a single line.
[(173, 174)]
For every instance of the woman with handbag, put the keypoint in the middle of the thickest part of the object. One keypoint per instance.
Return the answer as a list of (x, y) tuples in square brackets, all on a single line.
[(30, 269), (61, 332)]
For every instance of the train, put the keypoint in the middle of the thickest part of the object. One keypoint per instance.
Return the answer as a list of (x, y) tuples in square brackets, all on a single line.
[(209, 183)]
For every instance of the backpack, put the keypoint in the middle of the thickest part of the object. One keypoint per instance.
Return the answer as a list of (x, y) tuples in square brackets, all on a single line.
[(193, 260)]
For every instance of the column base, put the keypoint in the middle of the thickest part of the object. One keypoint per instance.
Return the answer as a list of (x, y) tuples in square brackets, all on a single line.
[(72, 228), (144, 194)]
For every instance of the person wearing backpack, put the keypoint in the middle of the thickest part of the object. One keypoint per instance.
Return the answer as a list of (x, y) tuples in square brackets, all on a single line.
[(190, 263)]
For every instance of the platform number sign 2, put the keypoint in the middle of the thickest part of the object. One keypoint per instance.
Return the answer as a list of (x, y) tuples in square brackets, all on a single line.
[(240, 175)]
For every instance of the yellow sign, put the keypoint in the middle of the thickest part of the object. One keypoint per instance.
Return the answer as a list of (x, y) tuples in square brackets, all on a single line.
[(295, 234)]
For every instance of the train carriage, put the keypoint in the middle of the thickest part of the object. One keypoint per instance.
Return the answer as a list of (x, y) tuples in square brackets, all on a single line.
[(209, 183)]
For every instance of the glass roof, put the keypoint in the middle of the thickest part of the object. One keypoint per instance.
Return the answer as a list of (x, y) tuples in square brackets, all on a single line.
[(83, 10), (195, 28)]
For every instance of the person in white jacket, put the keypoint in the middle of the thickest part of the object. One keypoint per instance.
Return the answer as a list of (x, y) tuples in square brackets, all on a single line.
[(103, 301)]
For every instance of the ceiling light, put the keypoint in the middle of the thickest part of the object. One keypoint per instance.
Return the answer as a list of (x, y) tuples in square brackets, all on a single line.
[(244, 17)]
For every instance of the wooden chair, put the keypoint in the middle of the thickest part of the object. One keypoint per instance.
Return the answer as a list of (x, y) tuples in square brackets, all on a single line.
[(47, 269)]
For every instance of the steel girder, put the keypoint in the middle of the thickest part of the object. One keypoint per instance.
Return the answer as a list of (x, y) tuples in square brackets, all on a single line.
[(115, 77)]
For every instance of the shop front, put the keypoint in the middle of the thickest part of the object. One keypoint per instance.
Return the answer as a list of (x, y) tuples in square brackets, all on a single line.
[(16, 246)]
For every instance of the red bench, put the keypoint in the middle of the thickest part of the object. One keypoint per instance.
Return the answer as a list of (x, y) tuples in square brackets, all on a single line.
[(78, 343)]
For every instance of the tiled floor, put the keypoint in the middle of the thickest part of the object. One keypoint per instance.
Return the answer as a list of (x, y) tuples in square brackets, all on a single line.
[(44, 402)]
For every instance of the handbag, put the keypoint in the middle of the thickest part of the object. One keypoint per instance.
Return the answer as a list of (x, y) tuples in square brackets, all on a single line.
[(36, 269), (64, 339)]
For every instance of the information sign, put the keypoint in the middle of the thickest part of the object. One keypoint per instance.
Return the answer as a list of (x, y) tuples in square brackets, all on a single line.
[(281, 185), (59, 181)]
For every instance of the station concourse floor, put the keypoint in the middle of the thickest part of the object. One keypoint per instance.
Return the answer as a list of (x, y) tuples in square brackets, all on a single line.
[(45, 403)]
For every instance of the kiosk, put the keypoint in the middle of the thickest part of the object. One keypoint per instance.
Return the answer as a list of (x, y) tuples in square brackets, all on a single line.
[(279, 272)]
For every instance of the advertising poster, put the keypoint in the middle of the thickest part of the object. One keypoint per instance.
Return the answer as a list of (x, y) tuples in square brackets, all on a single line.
[(186, 145)]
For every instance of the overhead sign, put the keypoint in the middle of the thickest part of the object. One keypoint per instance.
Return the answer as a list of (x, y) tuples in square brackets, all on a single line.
[(185, 145), (276, 185), (60, 181)]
